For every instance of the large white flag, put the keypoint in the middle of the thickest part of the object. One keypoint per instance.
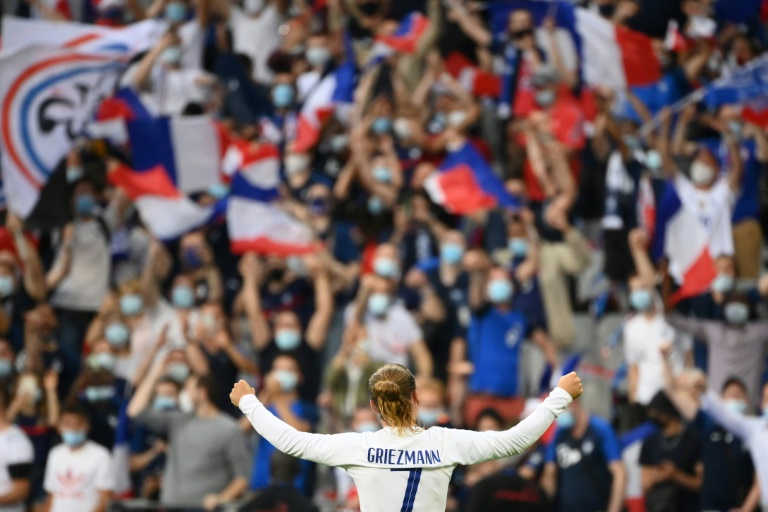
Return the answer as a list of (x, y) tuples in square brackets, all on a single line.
[(47, 96)]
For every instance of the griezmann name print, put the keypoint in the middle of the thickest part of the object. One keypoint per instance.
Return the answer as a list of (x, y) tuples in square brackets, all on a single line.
[(394, 457)]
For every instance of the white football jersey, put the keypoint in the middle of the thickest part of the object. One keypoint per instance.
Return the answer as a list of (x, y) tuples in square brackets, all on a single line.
[(403, 472)]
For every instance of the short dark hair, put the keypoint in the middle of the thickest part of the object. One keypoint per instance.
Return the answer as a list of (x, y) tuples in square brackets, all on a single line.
[(210, 385), (734, 381), (75, 408), (169, 380), (491, 413)]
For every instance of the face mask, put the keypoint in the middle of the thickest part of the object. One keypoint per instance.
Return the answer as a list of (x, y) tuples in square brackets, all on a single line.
[(566, 420), (117, 334), (164, 403), (632, 141), (185, 402), (367, 427), (74, 173), (381, 125), (99, 393), (191, 258), (378, 303), (402, 128), (30, 388), (545, 98), (317, 56), (437, 124), (218, 190), (287, 339), (282, 95), (701, 173), (73, 438), (385, 267), (294, 164), (7, 285), (102, 361), (429, 417), (736, 129), (375, 205), (737, 406), (131, 305), (253, 6), (319, 206), (296, 265), (653, 160), (178, 372), (640, 300), (499, 291), (518, 246), (175, 12), (723, 283), (736, 313), (382, 174), (84, 205), (209, 321), (451, 253), (171, 55), (6, 367), (183, 297), (457, 118), (287, 379), (339, 143)]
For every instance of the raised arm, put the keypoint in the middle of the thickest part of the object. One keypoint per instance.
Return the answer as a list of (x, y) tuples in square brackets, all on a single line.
[(33, 276), (250, 269), (734, 422), (467, 447), (317, 330)]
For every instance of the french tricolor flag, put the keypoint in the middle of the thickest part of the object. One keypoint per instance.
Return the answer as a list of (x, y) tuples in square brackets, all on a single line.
[(690, 246), (255, 221), (478, 82), (113, 114), (465, 183), (405, 39)]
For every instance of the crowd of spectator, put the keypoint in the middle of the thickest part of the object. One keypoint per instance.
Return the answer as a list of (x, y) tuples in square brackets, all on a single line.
[(118, 351)]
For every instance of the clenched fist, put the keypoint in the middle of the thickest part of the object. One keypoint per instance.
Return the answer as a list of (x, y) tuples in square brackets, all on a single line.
[(571, 383), (240, 389)]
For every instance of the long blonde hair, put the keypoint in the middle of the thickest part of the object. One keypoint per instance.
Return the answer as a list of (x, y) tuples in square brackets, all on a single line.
[(391, 389)]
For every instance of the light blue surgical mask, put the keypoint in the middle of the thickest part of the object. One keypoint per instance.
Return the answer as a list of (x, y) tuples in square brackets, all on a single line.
[(6, 368), (171, 55), (296, 265), (723, 283), (101, 361), (382, 174), (74, 173), (736, 313), (99, 393), (737, 406), (451, 253), (375, 205), (381, 125), (131, 304), (736, 129), (183, 297), (367, 427), (378, 304), (117, 334), (429, 417), (175, 12), (318, 56), (641, 300), (164, 403), (7, 285), (218, 190), (499, 291), (84, 205), (339, 143), (566, 420), (653, 160), (287, 339), (73, 438), (385, 267), (178, 372), (545, 98), (282, 95), (518, 246), (288, 380), (632, 142)]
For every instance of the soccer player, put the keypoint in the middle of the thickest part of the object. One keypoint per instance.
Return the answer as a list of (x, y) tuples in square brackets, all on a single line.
[(403, 466)]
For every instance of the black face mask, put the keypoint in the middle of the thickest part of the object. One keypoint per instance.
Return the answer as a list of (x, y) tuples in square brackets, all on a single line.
[(369, 8), (275, 275), (521, 34), (607, 10)]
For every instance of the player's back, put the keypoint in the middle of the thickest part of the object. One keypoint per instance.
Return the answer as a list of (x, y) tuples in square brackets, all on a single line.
[(401, 472)]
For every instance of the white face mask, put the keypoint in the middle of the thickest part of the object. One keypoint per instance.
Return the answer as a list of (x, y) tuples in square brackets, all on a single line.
[(701, 173), (457, 118), (296, 163), (253, 6), (185, 402), (402, 128)]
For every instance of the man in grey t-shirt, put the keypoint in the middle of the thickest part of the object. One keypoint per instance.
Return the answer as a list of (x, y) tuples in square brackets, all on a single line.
[(208, 461)]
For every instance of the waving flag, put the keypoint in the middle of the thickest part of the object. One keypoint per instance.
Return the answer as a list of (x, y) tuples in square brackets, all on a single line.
[(47, 97), (405, 39), (135, 38), (113, 113), (690, 245), (254, 219), (748, 85), (189, 149), (479, 83), (465, 183)]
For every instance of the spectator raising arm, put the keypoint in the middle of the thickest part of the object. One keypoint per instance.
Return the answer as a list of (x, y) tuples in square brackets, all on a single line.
[(317, 330), (33, 276), (251, 270)]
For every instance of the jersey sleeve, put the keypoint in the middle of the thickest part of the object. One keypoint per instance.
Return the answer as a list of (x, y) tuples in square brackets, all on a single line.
[(467, 447), (608, 441), (331, 450)]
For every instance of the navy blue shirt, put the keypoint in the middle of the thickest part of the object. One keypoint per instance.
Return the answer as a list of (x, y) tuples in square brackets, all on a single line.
[(527, 298), (583, 478)]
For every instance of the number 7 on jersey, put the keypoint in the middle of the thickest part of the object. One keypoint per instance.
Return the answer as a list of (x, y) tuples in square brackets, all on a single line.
[(414, 476)]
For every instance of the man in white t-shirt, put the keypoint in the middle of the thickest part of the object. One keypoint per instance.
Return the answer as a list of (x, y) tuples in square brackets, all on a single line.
[(391, 331), (16, 462), (255, 33), (79, 475)]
